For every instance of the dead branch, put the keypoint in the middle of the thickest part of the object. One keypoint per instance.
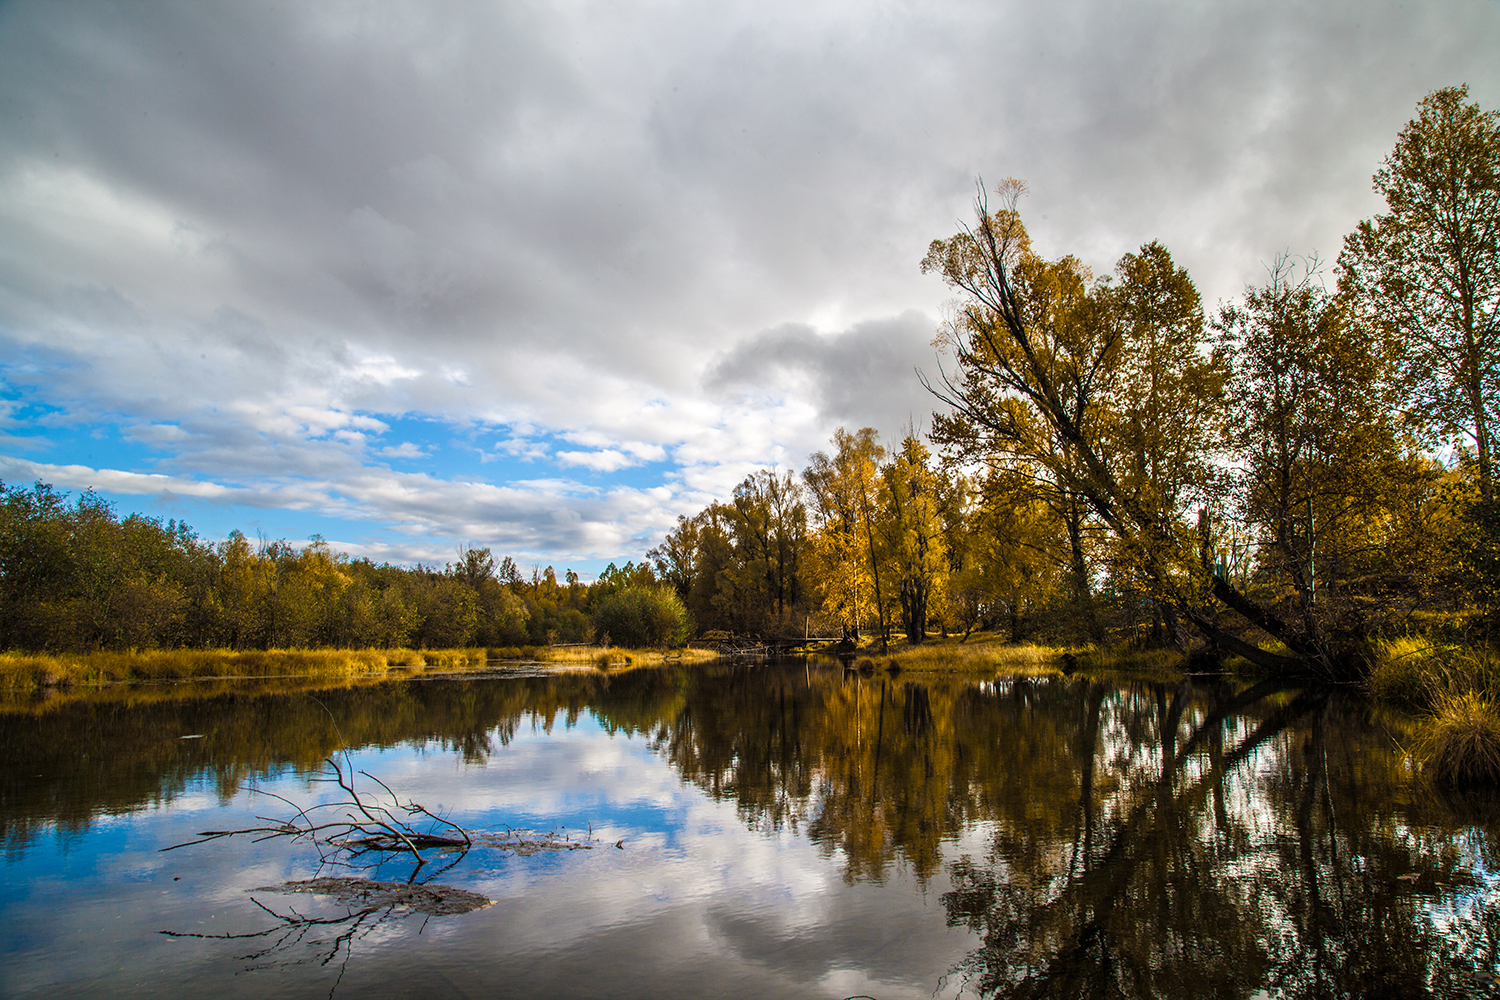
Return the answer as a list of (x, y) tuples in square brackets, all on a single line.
[(370, 826)]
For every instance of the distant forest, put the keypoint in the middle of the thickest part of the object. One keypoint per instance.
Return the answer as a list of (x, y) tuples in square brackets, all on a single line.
[(1284, 479)]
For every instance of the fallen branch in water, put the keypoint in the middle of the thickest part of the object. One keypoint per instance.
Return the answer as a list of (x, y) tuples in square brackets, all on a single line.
[(371, 827), (367, 825)]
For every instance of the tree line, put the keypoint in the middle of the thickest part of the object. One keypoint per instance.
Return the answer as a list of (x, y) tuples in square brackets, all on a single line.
[(74, 576)]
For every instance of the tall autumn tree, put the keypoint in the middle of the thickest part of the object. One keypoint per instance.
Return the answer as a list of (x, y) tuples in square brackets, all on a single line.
[(1165, 400), (914, 528), (1023, 553), (843, 488), (1167, 394), (764, 589), (1039, 376), (1429, 269), (1315, 446)]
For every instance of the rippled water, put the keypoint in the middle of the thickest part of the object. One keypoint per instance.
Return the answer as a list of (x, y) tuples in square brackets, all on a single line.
[(785, 831)]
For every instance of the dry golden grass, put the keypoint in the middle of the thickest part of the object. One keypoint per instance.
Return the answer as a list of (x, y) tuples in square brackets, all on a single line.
[(1459, 742), (1457, 736), (21, 671), (977, 655), (951, 655), (1408, 671), (592, 655), (1129, 660), (1414, 672), (24, 672), (991, 654)]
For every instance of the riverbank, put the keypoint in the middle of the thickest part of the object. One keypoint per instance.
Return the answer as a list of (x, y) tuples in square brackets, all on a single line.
[(1444, 696), (28, 672), (984, 652)]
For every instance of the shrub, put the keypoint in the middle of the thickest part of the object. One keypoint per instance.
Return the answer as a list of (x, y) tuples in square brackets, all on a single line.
[(643, 617)]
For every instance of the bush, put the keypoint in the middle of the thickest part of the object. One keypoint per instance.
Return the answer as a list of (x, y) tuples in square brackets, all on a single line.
[(643, 618)]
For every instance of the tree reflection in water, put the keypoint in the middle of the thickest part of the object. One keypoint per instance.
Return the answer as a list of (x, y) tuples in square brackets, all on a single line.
[(1144, 841), (1140, 839)]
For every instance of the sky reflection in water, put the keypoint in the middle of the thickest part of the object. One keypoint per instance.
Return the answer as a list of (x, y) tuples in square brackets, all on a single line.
[(787, 832)]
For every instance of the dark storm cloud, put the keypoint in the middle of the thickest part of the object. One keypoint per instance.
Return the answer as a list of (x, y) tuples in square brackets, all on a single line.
[(862, 377)]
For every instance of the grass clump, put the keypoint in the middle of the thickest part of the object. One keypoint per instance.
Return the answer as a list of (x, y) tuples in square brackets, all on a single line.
[(1459, 742), (1417, 673), (986, 654), (1456, 691), (1132, 660)]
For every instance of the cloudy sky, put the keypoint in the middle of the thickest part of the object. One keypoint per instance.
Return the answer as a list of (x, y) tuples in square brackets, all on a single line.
[(542, 276)]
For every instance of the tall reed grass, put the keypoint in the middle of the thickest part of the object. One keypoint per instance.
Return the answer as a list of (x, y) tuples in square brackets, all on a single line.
[(1459, 741), (1455, 691)]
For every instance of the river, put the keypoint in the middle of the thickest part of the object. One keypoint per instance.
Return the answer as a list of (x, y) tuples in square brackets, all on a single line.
[(771, 830)]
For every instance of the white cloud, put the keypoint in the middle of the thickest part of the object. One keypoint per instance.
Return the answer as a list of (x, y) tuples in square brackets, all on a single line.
[(404, 450), (608, 460), (690, 238), (113, 480)]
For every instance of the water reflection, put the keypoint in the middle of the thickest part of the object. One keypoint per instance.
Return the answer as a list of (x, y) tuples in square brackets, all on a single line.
[(1097, 840)]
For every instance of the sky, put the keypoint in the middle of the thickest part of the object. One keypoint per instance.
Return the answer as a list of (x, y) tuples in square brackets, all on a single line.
[(543, 277)]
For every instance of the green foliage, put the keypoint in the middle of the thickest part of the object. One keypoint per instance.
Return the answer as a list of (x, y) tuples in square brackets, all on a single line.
[(1428, 271), (74, 576), (643, 617)]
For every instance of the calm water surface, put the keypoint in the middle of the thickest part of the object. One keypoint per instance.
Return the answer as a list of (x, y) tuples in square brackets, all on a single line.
[(785, 831)]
